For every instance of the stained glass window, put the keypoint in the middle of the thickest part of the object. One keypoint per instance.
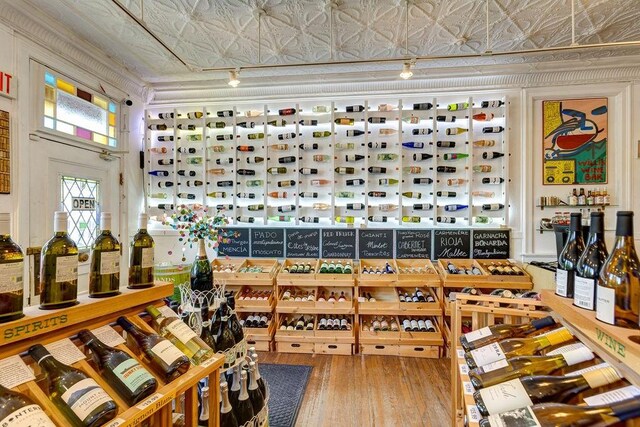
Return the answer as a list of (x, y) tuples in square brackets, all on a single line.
[(77, 195), (74, 111)]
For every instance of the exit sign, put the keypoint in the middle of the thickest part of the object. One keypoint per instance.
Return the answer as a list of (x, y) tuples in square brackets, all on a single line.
[(7, 84)]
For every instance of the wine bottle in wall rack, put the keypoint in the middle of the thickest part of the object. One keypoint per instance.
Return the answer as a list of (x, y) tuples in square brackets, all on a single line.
[(104, 276), (59, 268), (568, 259), (16, 406), (11, 279), (142, 256), (494, 333), (82, 401), (590, 263), (618, 290)]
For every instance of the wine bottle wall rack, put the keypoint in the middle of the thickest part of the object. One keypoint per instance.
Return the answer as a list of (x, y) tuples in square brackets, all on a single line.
[(403, 168)]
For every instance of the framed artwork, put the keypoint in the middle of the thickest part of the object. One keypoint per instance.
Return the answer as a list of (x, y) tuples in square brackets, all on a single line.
[(574, 141)]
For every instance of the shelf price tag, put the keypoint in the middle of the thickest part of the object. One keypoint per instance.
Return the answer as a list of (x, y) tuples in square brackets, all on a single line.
[(464, 369), (65, 351), (468, 387), (114, 423), (13, 372), (108, 335), (150, 401), (474, 414), (460, 353)]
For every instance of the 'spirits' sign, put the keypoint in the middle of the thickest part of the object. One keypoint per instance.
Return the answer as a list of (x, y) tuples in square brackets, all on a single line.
[(6, 85)]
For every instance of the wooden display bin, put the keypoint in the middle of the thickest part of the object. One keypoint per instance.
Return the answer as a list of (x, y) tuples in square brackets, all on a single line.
[(386, 299), (295, 346), (430, 278), (333, 306), (459, 280), (497, 301), (524, 281), (260, 338), (369, 279), (334, 334), (250, 305), (331, 277), (434, 308), (370, 336), (333, 348), (269, 270), (432, 338), (292, 306), (234, 264), (297, 279), (296, 333)]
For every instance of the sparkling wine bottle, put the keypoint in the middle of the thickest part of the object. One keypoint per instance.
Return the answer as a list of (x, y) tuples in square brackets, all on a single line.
[(568, 259), (227, 417), (142, 258), (205, 332), (244, 409), (11, 280), (224, 336), (59, 268), (104, 276), (255, 394)]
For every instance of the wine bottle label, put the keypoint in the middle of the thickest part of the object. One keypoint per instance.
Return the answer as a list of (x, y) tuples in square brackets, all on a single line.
[(589, 369), (584, 292), (66, 268), (27, 416), (557, 336), (109, 262), (180, 330), (505, 397), (522, 417), (613, 396), (601, 377), (477, 334), (487, 354), (578, 355), (493, 366), (606, 305), (132, 374), (147, 258), (84, 397), (167, 352), (11, 277), (562, 277)]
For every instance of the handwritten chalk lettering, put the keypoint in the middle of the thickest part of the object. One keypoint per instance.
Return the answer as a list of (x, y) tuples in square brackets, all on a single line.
[(453, 253)]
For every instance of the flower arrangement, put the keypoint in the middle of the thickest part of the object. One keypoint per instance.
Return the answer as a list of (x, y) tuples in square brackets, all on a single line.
[(195, 224)]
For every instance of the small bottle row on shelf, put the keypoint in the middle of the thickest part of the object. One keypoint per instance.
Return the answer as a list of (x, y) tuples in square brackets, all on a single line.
[(310, 323)]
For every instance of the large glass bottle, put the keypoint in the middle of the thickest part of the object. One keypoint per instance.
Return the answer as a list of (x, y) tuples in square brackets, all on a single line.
[(157, 352), (234, 323), (104, 278), (224, 336), (591, 261), (11, 274), (141, 263), (618, 291), (128, 377), (244, 411), (59, 268), (568, 259), (181, 335), (494, 333), (205, 333), (227, 417), (78, 396), (515, 347), (526, 391), (201, 272), (18, 410)]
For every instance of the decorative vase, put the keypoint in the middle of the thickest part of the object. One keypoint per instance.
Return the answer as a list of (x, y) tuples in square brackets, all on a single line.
[(201, 273)]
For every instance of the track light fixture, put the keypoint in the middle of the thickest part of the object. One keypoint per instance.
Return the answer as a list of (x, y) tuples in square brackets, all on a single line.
[(406, 70), (234, 81)]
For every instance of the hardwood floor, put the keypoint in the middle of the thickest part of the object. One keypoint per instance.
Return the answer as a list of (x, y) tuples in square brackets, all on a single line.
[(381, 391)]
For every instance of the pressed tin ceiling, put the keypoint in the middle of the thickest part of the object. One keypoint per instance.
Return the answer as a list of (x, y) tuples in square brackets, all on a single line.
[(224, 33)]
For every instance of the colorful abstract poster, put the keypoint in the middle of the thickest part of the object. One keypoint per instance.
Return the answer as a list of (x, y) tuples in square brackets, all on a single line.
[(574, 141)]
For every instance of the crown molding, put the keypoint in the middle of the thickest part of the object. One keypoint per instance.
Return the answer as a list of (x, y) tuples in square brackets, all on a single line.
[(49, 34)]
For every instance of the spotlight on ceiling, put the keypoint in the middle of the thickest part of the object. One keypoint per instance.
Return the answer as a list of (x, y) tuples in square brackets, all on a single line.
[(406, 70), (234, 81)]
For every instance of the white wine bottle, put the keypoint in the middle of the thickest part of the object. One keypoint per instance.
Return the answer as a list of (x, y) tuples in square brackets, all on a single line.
[(18, 410), (141, 264), (104, 277), (59, 268), (490, 334), (11, 274)]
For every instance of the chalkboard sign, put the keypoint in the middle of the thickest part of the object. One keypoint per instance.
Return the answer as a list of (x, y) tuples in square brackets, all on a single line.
[(238, 243), (413, 244), (375, 244), (491, 244), (452, 244), (267, 242), (303, 243), (338, 243)]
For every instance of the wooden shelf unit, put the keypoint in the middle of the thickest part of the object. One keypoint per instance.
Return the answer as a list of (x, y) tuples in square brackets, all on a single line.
[(94, 313)]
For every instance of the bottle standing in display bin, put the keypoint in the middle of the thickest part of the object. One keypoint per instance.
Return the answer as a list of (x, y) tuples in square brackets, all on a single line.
[(79, 397), (141, 264), (568, 259), (618, 290), (11, 279), (16, 406), (224, 336), (590, 263), (234, 323), (59, 268), (158, 352), (255, 394), (227, 417), (104, 278), (201, 273), (205, 332), (130, 379), (494, 333), (244, 409)]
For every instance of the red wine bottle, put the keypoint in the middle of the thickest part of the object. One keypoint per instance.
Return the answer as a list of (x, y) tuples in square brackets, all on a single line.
[(568, 259), (590, 263)]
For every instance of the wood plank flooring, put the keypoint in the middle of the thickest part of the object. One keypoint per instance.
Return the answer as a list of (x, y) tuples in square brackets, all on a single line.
[(381, 391)]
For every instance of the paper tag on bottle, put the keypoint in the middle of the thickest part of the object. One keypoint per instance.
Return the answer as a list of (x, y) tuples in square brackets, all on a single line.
[(600, 377), (474, 414), (588, 369), (584, 292), (612, 396), (493, 366), (13, 372), (167, 311), (488, 354), (464, 369), (562, 277), (505, 396), (468, 387), (149, 401), (606, 305), (522, 417), (66, 268), (147, 258), (108, 335), (460, 353), (65, 351), (109, 262), (11, 277), (477, 334)]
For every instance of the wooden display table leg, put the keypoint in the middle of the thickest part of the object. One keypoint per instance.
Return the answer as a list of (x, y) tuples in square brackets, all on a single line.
[(214, 399), (191, 406)]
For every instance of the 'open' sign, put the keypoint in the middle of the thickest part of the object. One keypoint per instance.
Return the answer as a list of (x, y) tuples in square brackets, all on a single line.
[(84, 204)]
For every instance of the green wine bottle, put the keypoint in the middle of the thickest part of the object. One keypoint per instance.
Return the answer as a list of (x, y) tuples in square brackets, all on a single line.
[(79, 397), (11, 274), (104, 279), (59, 268), (141, 266)]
